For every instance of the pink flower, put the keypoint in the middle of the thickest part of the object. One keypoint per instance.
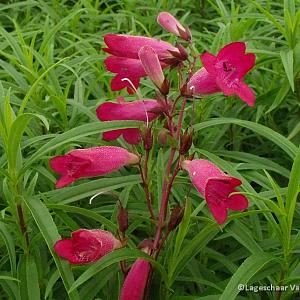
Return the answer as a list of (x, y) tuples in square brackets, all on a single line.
[(136, 110), (136, 281), (90, 162), (151, 65), (216, 187), (225, 72), (86, 246), (171, 24), (125, 60)]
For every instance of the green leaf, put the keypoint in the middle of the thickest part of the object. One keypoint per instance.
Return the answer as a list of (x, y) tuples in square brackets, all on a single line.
[(293, 191), (242, 234), (85, 212), (3, 277), (270, 17), (51, 282), (284, 89), (112, 258), (91, 188), (35, 85), (287, 57), (76, 134), (50, 234), (192, 248), (10, 246), (32, 279), (49, 35), (15, 134), (248, 268), (268, 133), (183, 228)]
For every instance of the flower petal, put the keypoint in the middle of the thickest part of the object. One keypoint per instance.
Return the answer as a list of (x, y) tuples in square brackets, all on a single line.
[(203, 83), (64, 248), (132, 136), (112, 135), (170, 23), (136, 110), (217, 191), (200, 171), (246, 64), (90, 162), (208, 60), (151, 65), (118, 83), (232, 51), (136, 281), (64, 181), (245, 93), (86, 246), (128, 45), (237, 202), (131, 69), (219, 212)]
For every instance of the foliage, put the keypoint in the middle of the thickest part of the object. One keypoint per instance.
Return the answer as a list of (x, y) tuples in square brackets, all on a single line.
[(52, 79)]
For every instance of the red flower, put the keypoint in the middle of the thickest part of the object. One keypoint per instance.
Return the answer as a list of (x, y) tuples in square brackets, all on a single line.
[(225, 72), (140, 110), (151, 65), (171, 24), (86, 246), (90, 162), (136, 281), (125, 60), (216, 187)]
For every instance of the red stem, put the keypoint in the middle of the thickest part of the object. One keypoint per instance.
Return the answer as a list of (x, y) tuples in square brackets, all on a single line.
[(146, 186), (167, 185)]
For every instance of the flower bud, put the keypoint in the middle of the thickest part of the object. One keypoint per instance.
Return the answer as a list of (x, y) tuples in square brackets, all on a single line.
[(186, 141), (171, 24), (122, 219), (176, 217), (182, 51), (147, 138), (152, 66), (185, 91), (146, 244), (165, 87), (163, 137)]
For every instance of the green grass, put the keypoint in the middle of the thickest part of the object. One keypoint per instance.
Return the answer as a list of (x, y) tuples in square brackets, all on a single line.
[(52, 79)]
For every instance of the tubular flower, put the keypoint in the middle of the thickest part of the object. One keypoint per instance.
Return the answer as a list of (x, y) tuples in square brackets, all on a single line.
[(136, 281), (151, 65), (86, 246), (225, 73), (140, 110), (216, 187), (171, 24), (124, 60), (90, 162)]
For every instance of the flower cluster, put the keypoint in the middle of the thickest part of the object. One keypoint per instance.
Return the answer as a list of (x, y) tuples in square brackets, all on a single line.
[(130, 59)]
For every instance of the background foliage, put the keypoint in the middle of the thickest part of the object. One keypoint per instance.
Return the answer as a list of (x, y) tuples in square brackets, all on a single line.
[(52, 80)]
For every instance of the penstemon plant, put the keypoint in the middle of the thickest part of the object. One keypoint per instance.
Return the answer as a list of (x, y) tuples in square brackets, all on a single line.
[(132, 58)]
